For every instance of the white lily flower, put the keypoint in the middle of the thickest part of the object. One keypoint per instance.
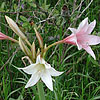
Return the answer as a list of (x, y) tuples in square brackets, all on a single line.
[(41, 69)]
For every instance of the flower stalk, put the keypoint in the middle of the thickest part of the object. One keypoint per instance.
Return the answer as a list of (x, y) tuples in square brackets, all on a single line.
[(59, 42), (13, 40), (40, 91)]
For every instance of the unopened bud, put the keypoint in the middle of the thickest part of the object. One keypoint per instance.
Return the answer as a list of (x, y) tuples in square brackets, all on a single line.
[(38, 52), (45, 46), (39, 38), (33, 50), (15, 28), (24, 48), (3, 36)]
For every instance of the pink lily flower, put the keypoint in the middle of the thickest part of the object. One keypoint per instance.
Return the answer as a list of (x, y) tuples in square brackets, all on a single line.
[(82, 38), (3, 36)]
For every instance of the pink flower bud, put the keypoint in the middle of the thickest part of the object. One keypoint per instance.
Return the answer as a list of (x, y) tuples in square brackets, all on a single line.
[(3, 36)]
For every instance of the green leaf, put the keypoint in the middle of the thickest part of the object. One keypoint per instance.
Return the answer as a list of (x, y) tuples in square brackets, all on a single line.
[(20, 97), (25, 24), (2, 5), (11, 99), (23, 18), (32, 4)]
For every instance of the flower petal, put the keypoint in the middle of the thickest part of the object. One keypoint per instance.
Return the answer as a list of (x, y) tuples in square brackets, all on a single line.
[(33, 80), (40, 60), (47, 66), (53, 72), (83, 24), (89, 50), (31, 69), (91, 27), (78, 43), (91, 39), (70, 39), (79, 46), (46, 78), (73, 30)]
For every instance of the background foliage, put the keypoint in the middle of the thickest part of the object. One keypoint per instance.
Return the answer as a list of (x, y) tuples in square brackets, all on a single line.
[(81, 80)]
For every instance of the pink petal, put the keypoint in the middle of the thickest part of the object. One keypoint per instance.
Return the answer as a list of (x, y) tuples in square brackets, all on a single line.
[(83, 24), (78, 45), (91, 27), (93, 40), (89, 39), (73, 30), (89, 50), (70, 39)]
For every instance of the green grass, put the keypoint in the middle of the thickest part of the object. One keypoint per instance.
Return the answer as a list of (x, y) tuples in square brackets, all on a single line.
[(81, 78)]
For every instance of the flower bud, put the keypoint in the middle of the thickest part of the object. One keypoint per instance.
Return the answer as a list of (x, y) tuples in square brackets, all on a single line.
[(39, 38), (14, 27), (38, 52), (33, 50), (3, 36), (45, 46), (24, 48)]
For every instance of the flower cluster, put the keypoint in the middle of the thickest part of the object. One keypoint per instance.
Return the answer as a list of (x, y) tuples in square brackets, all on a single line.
[(39, 68)]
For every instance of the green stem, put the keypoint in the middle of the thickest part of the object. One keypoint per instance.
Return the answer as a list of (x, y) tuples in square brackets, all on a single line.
[(40, 91), (59, 42)]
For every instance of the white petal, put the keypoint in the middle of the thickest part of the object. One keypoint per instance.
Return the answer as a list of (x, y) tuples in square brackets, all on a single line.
[(33, 80), (89, 50), (42, 61), (47, 66), (91, 27), (83, 24), (38, 60), (31, 69), (53, 72), (73, 30), (46, 78)]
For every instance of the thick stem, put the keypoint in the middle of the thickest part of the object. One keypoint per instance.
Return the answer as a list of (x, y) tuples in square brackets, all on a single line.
[(40, 91)]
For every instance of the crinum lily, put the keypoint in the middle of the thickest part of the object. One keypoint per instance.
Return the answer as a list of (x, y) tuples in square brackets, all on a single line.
[(82, 38), (41, 69)]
